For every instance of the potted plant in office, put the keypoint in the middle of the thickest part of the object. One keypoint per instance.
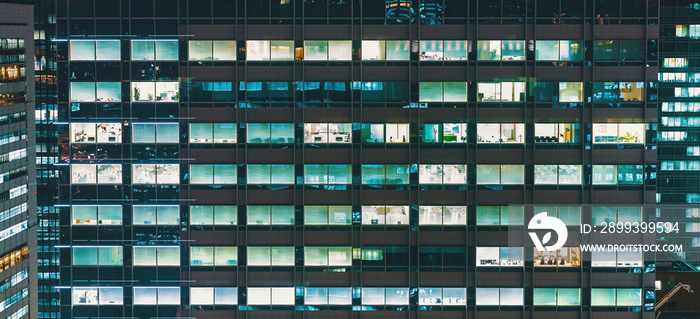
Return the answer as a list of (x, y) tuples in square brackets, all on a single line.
[(574, 260), (137, 94), (628, 138), (150, 96)]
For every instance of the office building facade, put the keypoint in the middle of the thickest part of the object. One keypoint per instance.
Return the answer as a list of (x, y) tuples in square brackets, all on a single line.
[(18, 286), (351, 158)]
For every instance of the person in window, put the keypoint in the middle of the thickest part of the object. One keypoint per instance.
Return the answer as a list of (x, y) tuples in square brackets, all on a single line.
[(404, 138)]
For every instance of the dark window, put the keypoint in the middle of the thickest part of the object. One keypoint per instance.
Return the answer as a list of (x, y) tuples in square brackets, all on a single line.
[(142, 8), (81, 8), (224, 8), (200, 8), (258, 8)]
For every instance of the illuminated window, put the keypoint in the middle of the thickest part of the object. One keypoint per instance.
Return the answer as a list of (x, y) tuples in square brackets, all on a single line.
[(327, 296), (327, 215), (328, 50), (442, 215), (631, 91), (96, 174), (443, 133), (443, 174), (98, 50), (316, 50), (626, 297), (381, 174), (329, 174), (562, 257), (270, 173), (443, 91), (270, 50), (270, 133), (614, 133), (158, 50), (500, 174), (340, 50), (157, 296), (557, 297), (279, 296), (217, 133), (213, 255), (270, 215), (489, 50), (558, 175), (382, 215), (155, 91), (97, 256), (204, 50), (616, 297), (501, 92), (156, 256), (385, 133), (327, 132), (156, 215), (557, 133), (513, 50), (499, 256), (207, 296), (694, 31), (563, 50), (547, 50), (97, 296), (675, 62), (499, 215), (570, 92), (96, 133), (384, 296), (499, 296), (438, 50), (604, 174), (497, 133), (213, 215), (155, 133), (442, 296), (431, 50), (570, 215), (327, 256), (270, 256), (96, 215), (155, 174), (216, 174), (385, 50), (95, 92), (615, 214), (630, 174)]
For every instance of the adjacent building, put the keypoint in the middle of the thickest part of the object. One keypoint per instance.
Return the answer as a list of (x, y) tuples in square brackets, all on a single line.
[(679, 146), (18, 263)]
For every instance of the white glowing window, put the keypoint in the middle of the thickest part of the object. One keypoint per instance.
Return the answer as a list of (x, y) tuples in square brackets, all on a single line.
[(155, 91), (96, 174), (98, 296), (156, 295), (271, 296)]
